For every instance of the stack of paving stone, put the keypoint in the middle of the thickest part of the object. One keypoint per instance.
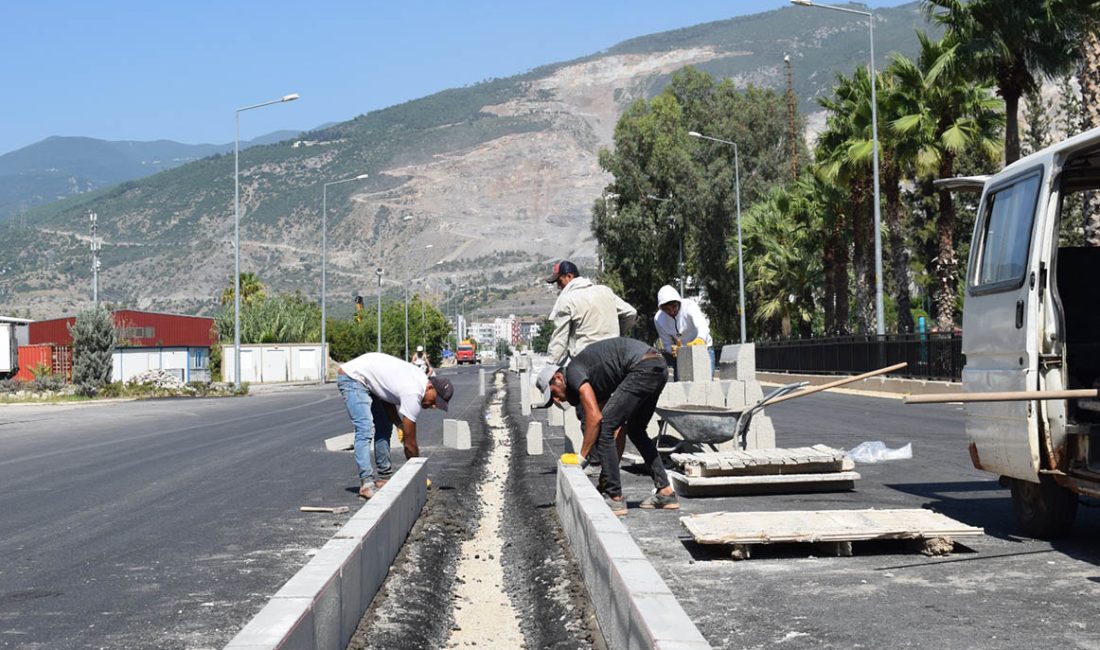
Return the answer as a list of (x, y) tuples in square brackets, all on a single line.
[(735, 389)]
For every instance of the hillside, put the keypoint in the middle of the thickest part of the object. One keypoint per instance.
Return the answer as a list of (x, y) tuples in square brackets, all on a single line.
[(478, 186), (62, 166)]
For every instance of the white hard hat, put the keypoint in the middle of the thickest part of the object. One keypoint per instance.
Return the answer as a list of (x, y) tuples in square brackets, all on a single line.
[(667, 294), (420, 348)]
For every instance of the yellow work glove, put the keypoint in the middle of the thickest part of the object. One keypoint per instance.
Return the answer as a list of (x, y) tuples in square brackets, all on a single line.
[(698, 342), (400, 434)]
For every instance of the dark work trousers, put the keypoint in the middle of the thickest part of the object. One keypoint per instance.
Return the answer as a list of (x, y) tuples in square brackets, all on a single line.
[(632, 405)]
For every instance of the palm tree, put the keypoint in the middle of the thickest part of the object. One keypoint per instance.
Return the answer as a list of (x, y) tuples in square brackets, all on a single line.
[(1015, 43), (944, 113), (252, 290), (844, 152), (784, 258)]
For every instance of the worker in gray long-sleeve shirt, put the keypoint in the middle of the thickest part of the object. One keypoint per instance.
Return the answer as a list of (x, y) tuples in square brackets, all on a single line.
[(585, 312)]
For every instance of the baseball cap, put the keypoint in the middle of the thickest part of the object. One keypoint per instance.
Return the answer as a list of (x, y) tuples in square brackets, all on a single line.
[(444, 391), (564, 267), (542, 384)]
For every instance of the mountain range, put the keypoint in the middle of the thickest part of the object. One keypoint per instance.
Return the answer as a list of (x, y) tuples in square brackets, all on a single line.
[(471, 192), (61, 166)]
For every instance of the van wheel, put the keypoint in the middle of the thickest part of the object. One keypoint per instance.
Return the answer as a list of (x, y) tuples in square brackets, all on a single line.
[(1045, 509)]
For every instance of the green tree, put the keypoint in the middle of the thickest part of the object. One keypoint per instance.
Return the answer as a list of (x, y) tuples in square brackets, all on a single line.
[(282, 318), (948, 115), (93, 334), (1015, 43), (542, 340), (639, 238)]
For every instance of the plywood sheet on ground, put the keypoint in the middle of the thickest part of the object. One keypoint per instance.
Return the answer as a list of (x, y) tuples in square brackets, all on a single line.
[(822, 526)]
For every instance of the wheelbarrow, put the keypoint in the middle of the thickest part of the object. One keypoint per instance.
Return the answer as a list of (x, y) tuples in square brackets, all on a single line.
[(711, 425)]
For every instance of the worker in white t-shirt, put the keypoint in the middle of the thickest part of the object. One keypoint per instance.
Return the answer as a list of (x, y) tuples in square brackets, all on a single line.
[(679, 322), (420, 360), (379, 392)]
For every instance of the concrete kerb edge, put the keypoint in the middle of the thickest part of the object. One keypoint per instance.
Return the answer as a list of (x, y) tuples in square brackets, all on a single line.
[(613, 567), (320, 606)]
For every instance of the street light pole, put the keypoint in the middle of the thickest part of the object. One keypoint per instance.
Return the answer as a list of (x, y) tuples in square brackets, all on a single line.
[(324, 258), (680, 260), (740, 259), (378, 271), (880, 322), (95, 246), (237, 231)]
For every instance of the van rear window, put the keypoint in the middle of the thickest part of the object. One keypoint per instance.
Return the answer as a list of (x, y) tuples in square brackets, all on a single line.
[(1006, 233)]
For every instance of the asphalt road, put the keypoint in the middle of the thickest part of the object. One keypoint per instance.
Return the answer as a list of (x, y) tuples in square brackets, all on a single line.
[(169, 523), (1000, 590)]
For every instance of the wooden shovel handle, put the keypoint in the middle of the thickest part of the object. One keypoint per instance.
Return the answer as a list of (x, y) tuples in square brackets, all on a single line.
[(839, 382), (1006, 396)]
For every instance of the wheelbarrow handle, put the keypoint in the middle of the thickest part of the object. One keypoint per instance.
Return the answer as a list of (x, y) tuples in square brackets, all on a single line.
[(746, 416)]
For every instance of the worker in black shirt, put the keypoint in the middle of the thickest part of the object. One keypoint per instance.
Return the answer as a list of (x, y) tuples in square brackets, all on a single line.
[(616, 382)]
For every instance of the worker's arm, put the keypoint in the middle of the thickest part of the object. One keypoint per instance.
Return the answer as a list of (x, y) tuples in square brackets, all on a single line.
[(558, 347), (700, 321), (592, 418), (412, 450), (627, 315), (392, 414)]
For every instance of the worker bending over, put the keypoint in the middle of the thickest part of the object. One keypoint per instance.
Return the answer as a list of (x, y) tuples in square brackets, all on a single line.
[(616, 382), (380, 391)]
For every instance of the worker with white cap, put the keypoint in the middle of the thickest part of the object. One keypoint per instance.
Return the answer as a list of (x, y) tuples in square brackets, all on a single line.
[(420, 360), (679, 322)]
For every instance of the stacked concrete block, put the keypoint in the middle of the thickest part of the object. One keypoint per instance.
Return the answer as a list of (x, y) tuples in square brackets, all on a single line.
[(693, 363), (534, 438), (555, 416), (456, 434), (673, 394), (738, 362), (524, 365)]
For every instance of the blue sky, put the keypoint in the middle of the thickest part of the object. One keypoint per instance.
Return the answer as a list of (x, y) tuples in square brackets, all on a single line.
[(177, 70)]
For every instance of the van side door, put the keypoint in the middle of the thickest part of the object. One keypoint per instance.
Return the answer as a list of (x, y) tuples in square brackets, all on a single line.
[(1000, 324)]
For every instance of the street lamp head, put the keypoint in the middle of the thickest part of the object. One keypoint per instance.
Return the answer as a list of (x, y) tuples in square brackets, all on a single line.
[(695, 134), (802, 3), (361, 177), (378, 271), (289, 98)]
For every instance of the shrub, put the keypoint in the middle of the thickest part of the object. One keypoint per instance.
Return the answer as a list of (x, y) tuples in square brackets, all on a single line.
[(93, 345)]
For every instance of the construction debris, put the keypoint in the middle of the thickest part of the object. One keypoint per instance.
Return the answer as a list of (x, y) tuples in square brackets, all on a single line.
[(335, 510)]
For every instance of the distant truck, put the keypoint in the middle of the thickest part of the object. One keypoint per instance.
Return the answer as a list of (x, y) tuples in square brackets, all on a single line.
[(13, 333), (467, 352)]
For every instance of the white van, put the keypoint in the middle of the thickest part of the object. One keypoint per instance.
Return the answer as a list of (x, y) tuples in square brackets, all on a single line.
[(1031, 321)]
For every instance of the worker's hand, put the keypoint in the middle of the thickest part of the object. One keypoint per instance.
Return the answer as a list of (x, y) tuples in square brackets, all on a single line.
[(412, 450), (674, 349)]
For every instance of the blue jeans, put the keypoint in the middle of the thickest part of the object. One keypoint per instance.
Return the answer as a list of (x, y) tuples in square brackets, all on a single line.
[(369, 416)]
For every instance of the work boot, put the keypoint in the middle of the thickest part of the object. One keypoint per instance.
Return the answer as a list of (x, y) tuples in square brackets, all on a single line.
[(660, 501)]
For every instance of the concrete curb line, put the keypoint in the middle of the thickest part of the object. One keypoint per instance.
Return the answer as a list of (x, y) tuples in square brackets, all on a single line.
[(634, 606), (320, 606)]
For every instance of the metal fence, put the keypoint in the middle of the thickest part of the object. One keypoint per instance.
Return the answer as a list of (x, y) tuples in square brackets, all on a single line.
[(930, 356)]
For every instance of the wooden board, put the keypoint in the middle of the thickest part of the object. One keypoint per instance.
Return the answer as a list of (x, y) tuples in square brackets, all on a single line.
[(752, 462), (703, 486), (822, 526)]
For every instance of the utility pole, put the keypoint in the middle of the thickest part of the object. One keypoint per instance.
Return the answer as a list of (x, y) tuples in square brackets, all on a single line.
[(792, 122), (95, 246)]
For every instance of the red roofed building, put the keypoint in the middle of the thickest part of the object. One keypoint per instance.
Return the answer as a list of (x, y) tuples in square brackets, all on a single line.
[(147, 340)]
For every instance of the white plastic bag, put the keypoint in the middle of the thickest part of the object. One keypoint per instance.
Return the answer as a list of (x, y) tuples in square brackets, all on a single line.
[(877, 451)]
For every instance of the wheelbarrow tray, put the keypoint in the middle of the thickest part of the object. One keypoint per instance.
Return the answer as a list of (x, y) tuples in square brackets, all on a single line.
[(702, 424)]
